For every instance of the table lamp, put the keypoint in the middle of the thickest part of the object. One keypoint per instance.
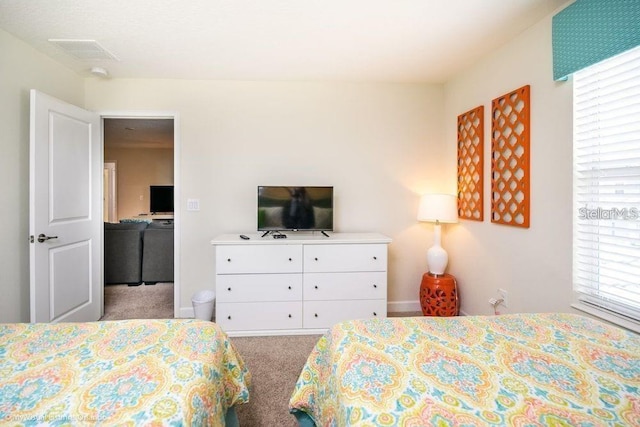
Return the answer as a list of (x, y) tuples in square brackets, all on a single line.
[(440, 209)]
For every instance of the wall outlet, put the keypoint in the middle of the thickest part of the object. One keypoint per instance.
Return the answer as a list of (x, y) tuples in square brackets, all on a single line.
[(505, 297)]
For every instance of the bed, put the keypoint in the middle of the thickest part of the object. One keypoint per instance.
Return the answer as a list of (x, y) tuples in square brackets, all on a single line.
[(519, 370), (134, 372)]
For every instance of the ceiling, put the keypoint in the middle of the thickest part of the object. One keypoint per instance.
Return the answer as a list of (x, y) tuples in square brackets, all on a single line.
[(330, 40), (138, 133)]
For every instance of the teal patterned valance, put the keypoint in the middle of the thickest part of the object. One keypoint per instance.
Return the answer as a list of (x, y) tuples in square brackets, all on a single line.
[(589, 31)]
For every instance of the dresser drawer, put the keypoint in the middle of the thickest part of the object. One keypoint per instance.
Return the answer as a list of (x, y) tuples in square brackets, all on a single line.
[(337, 286), (324, 314), (238, 259), (258, 287), (254, 316), (352, 257)]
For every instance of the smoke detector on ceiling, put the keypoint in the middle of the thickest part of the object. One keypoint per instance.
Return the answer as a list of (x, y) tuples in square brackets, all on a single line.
[(99, 72)]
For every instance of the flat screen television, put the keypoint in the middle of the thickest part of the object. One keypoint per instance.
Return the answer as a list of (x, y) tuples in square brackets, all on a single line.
[(161, 199), (295, 208)]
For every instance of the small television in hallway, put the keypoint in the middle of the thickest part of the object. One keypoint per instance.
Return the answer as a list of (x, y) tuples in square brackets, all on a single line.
[(161, 199)]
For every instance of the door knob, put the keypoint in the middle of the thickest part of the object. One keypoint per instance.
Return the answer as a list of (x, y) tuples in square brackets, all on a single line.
[(42, 238)]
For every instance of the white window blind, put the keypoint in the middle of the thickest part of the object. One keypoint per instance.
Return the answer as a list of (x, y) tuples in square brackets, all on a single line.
[(606, 185)]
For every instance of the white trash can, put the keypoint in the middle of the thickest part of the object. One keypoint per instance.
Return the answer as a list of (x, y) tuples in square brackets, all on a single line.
[(203, 302)]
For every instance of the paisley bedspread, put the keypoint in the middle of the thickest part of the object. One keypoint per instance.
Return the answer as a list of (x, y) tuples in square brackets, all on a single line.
[(516, 370), (134, 372)]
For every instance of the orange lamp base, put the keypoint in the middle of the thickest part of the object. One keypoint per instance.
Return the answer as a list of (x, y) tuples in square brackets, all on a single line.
[(439, 295)]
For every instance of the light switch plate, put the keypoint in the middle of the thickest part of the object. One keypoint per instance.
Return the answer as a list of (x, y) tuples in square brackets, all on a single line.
[(193, 204)]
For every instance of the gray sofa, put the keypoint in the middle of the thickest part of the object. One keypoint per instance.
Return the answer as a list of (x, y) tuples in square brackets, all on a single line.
[(123, 252), (136, 252), (157, 253)]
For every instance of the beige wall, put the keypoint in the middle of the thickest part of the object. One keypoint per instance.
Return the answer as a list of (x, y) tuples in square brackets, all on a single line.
[(21, 69), (533, 265), (377, 144), (136, 170)]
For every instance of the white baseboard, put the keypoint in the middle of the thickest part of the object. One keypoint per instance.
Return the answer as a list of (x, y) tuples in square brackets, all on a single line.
[(186, 313), (392, 307), (407, 306), (403, 306)]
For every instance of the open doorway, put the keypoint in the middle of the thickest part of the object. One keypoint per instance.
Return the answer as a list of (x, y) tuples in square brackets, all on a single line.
[(139, 242)]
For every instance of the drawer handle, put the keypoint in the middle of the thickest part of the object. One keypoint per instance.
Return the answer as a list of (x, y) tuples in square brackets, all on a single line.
[(316, 259), (315, 315), (375, 286), (289, 316), (375, 314), (229, 317), (289, 287), (290, 259), (229, 289), (375, 257), (316, 286), (228, 259)]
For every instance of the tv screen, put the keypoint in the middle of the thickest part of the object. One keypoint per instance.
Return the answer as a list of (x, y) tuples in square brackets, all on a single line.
[(295, 208), (161, 198)]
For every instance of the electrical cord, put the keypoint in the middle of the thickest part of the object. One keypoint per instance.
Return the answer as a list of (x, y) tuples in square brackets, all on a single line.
[(495, 303)]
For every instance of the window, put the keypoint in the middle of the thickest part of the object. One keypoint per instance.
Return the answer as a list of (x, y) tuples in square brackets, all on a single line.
[(606, 188)]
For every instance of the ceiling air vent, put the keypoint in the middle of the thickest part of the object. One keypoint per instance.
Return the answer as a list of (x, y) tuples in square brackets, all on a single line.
[(83, 49)]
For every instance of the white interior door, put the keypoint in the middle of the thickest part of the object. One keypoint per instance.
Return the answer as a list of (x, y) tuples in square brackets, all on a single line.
[(65, 221)]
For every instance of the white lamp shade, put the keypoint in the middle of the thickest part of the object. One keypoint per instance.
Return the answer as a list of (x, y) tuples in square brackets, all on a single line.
[(438, 208)]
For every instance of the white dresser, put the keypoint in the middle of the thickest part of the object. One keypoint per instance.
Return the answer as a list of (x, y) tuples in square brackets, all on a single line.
[(299, 285)]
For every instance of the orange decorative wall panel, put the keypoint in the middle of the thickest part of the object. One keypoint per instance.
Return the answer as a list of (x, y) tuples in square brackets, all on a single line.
[(470, 164), (510, 153)]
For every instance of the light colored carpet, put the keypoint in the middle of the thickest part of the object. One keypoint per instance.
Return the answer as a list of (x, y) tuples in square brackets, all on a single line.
[(274, 362), (138, 302)]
